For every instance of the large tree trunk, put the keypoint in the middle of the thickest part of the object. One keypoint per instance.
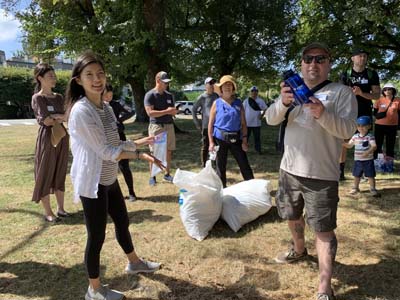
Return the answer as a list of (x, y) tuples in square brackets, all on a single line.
[(138, 95), (154, 19)]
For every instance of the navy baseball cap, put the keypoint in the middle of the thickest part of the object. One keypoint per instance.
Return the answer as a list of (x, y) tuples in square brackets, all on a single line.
[(253, 89), (359, 51)]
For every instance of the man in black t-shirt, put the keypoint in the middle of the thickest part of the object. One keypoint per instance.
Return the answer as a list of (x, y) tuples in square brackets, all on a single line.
[(160, 107), (365, 85), (364, 82)]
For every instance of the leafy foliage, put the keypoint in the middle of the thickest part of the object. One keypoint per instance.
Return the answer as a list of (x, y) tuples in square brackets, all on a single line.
[(212, 38), (191, 39), (345, 25), (17, 85)]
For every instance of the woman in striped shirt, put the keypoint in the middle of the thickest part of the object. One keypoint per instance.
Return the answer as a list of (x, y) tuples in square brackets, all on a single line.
[(96, 150)]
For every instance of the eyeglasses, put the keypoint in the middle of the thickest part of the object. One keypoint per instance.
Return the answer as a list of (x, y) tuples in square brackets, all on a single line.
[(319, 59)]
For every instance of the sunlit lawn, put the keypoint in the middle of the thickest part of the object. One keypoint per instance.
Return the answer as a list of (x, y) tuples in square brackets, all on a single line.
[(42, 261)]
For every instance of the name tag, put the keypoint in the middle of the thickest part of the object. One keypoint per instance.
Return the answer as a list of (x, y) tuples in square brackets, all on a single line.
[(321, 97), (364, 81), (169, 101), (383, 105), (50, 108)]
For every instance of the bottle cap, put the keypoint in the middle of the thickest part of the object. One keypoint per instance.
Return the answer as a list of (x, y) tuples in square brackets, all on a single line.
[(288, 74)]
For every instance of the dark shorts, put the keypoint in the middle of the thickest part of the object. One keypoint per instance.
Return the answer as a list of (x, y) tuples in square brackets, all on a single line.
[(365, 167), (319, 199)]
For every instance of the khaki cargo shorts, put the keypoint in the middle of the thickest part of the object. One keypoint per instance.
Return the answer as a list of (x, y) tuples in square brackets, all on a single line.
[(155, 129)]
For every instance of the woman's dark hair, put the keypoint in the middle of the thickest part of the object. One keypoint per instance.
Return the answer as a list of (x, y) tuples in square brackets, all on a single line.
[(393, 92), (109, 87), (74, 90), (40, 70)]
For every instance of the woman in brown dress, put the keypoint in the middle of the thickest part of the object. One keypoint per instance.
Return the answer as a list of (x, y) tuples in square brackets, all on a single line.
[(50, 161)]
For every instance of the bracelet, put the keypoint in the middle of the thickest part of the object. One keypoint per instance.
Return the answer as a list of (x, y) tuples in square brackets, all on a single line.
[(137, 154)]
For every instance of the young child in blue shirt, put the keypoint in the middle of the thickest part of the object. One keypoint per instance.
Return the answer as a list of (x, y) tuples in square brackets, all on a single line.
[(364, 143)]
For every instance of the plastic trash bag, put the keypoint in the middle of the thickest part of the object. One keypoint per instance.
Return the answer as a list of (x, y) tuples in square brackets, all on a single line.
[(384, 164), (159, 151), (245, 202), (200, 200)]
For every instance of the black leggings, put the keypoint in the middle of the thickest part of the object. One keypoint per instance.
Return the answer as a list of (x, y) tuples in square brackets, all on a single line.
[(109, 201), (387, 132), (125, 170), (239, 155)]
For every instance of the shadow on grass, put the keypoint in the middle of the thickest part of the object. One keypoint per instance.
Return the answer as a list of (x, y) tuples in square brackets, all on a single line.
[(367, 280), (28, 239), (222, 230), (34, 280), (388, 201), (135, 217), (186, 290), (161, 198)]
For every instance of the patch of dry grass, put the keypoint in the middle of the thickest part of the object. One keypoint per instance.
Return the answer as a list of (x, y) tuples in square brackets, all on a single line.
[(40, 261)]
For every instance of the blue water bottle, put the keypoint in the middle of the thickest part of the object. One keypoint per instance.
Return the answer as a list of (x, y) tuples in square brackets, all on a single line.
[(299, 89), (180, 199)]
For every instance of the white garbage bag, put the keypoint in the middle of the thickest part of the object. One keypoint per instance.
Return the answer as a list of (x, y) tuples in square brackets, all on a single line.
[(200, 200), (245, 202), (159, 151)]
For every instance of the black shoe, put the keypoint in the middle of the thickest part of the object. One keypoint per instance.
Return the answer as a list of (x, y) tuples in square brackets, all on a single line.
[(291, 256), (63, 214)]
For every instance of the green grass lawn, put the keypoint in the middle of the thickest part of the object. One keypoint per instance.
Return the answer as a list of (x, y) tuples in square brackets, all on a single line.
[(42, 261)]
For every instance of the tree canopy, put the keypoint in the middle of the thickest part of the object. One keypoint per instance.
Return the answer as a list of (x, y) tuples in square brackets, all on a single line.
[(252, 39), (348, 24)]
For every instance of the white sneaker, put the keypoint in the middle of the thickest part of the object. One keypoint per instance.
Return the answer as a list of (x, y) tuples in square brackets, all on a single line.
[(103, 293), (143, 266), (354, 191)]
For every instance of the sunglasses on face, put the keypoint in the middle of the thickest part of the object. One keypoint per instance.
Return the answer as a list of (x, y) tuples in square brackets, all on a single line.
[(319, 59)]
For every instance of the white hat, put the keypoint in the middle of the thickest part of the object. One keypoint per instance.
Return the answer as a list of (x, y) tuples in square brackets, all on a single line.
[(390, 86), (209, 80)]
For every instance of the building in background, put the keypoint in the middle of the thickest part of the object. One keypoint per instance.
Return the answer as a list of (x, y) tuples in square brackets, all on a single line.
[(2, 58), (31, 62)]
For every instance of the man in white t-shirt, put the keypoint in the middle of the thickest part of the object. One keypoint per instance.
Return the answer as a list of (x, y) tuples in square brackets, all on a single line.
[(254, 108)]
